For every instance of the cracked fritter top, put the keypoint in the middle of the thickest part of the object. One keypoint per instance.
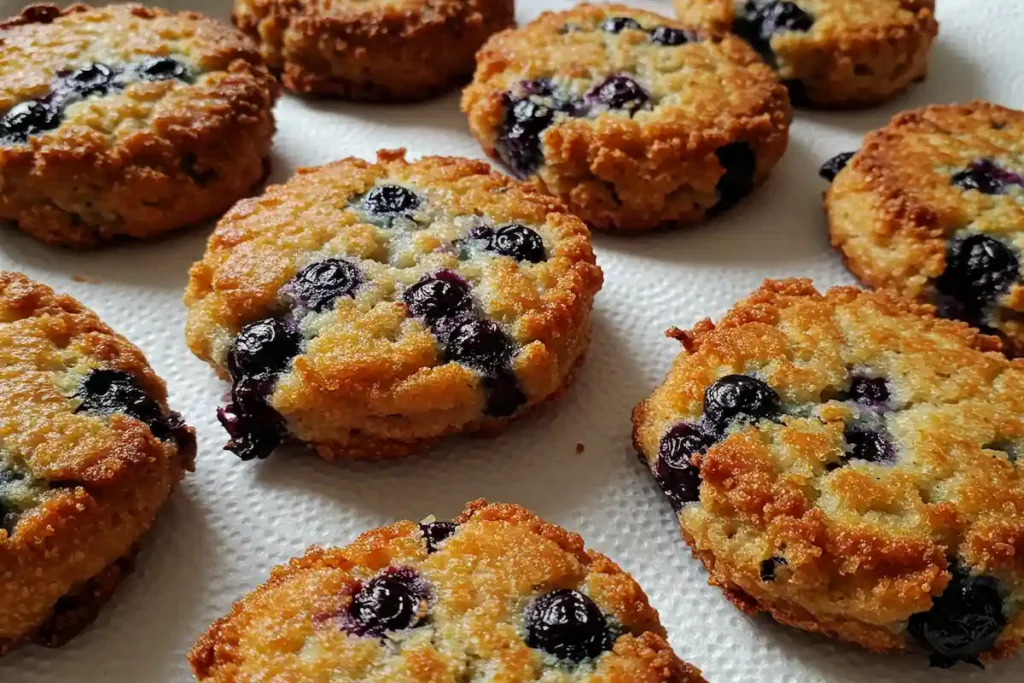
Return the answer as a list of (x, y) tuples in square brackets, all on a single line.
[(498, 594)]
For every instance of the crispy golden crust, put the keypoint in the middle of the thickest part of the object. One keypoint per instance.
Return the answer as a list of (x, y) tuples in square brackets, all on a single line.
[(151, 158), (894, 208), (658, 168), (856, 53), (372, 381), (97, 480), (865, 545), (383, 50), (481, 579)]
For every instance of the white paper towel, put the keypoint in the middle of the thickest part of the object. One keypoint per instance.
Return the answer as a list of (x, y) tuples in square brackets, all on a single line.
[(232, 521)]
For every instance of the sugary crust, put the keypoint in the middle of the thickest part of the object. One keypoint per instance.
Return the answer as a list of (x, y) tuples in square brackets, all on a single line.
[(156, 156), (107, 474), (865, 545), (654, 170), (372, 383), (856, 53), (893, 209), (481, 579), (393, 51)]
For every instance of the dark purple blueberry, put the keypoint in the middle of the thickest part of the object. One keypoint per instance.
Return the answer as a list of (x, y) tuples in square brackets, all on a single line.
[(26, 119), (986, 177), (964, 621), (868, 391), (436, 532), (979, 269), (518, 242), (504, 396), (480, 344), (769, 566), (94, 79), (318, 285), (441, 295), (391, 200), (798, 94), (674, 471), (162, 69), (620, 24), (619, 92), (831, 168), (113, 391), (189, 166), (666, 35), (391, 601), (261, 347), (758, 22), (739, 163), (738, 398), (567, 624), (869, 445), (525, 120), (255, 428)]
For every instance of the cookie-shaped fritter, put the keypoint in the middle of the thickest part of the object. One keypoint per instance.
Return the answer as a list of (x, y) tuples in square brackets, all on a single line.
[(127, 121), (850, 464), (369, 308), (88, 452), (377, 50), (497, 590), (830, 53), (933, 206), (632, 119)]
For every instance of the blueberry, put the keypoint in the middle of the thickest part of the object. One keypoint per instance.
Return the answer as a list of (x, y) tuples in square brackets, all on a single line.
[(979, 269), (567, 624), (515, 241), (675, 472), (504, 396), (666, 35), (391, 200), (255, 428), (520, 134), (868, 391), (480, 344), (94, 79), (162, 69), (318, 285), (986, 177), (831, 168), (869, 445), (758, 22), (739, 163), (964, 621), (620, 24), (392, 601), (769, 566), (263, 346), (441, 295), (113, 391), (26, 119), (738, 397), (619, 92), (436, 532)]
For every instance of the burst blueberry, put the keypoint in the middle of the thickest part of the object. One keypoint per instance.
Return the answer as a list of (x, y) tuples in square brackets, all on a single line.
[(768, 567), (831, 168), (620, 24), (27, 119), (391, 601), (263, 346), (987, 177), (666, 35), (738, 398), (674, 470), (979, 269), (868, 445), (434, 533), (480, 344), (114, 391), (868, 391), (619, 92), (93, 79), (441, 295), (758, 22), (162, 69), (254, 427), (319, 285), (520, 133), (739, 164), (391, 200), (504, 396), (569, 625)]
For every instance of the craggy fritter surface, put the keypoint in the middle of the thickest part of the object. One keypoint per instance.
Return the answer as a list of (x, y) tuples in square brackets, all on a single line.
[(78, 485), (900, 210), (792, 518), (714, 123), (855, 53), (477, 584), (377, 50), (143, 158), (370, 377)]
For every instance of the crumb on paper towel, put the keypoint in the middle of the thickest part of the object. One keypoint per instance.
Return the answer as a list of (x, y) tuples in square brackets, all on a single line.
[(580, 448), (87, 279)]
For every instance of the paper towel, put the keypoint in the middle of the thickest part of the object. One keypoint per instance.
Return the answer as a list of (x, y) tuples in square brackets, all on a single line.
[(232, 521)]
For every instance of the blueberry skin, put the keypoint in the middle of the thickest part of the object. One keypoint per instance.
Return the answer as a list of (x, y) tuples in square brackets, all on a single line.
[(987, 177), (504, 397), (389, 602), (666, 35), (768, 567), (254, 427), (831, 168), (515, 241), (520, 134), (114, 391), (569, 625), (979, 269), (28, 119), (870, 446), (434, 533), (480, 344), (740, 164), (620, 92), (868, 391), (964, 621), (94, 79), (391, 200), (319, 285), (674, 470), (261, 347), (441, 295), (738, 398), (162, 69), (620, 24), (757, 23)]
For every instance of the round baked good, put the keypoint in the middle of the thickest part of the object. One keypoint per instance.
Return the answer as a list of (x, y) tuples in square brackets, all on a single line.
[(830, 53), (496, 590), (632, 119), (127, 121), (89, 453), (850, 464), (933, 206), (377, 50), (368, 309)]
